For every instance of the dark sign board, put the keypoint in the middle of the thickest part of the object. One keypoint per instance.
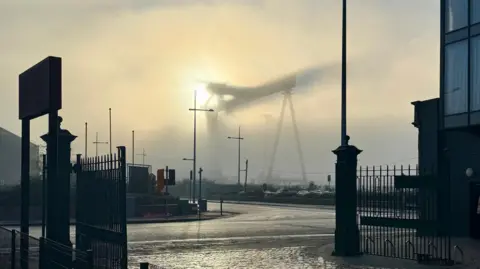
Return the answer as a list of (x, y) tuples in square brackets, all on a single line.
[(138, 179), (171, 177), (40, 89)]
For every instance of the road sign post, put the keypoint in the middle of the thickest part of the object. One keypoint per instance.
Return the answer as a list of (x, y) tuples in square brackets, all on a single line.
[(40, 93)]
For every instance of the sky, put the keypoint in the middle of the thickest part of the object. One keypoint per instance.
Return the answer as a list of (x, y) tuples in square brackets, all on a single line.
[(143, 58)]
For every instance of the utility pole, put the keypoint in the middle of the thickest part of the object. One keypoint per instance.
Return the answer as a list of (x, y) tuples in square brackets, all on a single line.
[(133, 147), (200, 184), (167, 179), (192, 190), (143, 154), (110, 128), (246, 175), (195, 109), (86, 140), (239, 138), (191, 181), (96, 142)]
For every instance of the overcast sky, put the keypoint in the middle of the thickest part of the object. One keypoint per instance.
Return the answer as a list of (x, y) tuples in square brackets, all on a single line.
[(142, 58)]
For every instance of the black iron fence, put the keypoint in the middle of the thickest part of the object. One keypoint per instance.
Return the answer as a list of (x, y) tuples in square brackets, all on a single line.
[(30, 256), (400, 214), (7, 247), (41, 253), (58, 256), (101, 224)]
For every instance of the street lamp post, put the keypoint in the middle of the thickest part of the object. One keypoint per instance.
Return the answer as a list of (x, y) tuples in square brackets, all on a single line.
[(239, 138), (192, 190), (133, 147), (86, 139), (200, 171), (344, 75), (195, 109), (110, 128), (347, 233)]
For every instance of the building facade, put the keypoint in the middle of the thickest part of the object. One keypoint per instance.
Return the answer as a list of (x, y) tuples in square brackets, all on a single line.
[(10, 159), (460, 63), (449, 126)]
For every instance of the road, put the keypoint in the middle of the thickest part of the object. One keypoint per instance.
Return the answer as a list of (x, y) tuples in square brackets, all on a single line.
[(259, 237)]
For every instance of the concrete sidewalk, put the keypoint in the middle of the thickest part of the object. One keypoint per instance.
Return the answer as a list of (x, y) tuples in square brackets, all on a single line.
[(139, 220), (469, 260)]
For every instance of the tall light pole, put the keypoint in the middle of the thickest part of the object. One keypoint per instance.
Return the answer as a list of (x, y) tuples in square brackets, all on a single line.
[(86, 139), (96, 142), (239, 138), (133, 147), (246, 176), (344, 75), (110, 128), (192, 189), (195, 109)]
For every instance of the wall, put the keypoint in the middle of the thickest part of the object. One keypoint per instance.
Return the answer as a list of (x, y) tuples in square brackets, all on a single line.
[(426, 120), (463, 152), (10, 158)]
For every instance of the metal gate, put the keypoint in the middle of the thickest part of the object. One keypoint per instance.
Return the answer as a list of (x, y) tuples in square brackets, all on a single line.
[(101, 223), (403, 213)]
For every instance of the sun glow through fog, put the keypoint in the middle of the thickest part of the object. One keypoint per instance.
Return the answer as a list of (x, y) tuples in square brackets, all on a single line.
[(202, 94)]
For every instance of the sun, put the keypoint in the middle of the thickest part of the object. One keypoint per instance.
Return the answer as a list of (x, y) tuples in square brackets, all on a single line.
[(202, 94)]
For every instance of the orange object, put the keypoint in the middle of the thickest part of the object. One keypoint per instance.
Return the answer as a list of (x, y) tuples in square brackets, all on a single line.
[(160, 180)]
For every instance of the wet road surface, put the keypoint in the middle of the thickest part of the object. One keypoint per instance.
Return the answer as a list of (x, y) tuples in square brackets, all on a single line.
[(259, 237)]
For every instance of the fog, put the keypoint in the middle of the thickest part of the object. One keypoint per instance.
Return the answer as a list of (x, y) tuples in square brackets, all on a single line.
[(143, 59)]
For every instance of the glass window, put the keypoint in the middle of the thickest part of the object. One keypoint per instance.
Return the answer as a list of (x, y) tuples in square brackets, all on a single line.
[(457, 14), (475, 74), (456, 78), (475, 11)]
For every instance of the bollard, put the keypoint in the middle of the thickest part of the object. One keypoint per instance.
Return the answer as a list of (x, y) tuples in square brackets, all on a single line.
[(198, 209), (166, 207), (221, 206), (144, 265)]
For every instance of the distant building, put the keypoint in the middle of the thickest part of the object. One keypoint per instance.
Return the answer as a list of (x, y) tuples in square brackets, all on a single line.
[(10, 158)]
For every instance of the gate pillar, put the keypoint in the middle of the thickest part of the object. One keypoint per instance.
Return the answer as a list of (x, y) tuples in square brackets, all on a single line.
[(347, 236), (58, 190)]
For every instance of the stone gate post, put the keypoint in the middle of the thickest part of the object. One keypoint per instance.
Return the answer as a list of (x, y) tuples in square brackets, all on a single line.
[(58, 190), (347, 236)]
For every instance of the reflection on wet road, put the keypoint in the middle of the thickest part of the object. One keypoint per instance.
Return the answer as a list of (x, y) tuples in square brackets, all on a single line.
[(259, 237)]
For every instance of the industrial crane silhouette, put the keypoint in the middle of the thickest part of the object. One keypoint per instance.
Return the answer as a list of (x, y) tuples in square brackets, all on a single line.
[(230, 98)]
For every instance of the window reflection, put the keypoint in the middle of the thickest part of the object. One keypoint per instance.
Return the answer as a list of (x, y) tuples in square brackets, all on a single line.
[(475, 11), (457, 14), (456, 77), (475, 74)]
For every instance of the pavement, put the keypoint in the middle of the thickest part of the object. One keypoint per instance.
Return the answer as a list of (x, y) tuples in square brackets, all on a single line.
[(470, 259), (467, 251)]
